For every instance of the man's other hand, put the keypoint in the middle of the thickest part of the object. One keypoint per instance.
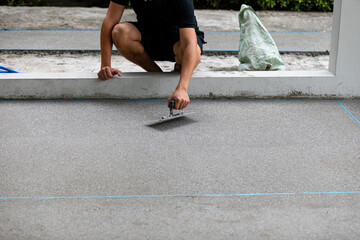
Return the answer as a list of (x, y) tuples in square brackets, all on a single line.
[(181, 98), (108, 72)]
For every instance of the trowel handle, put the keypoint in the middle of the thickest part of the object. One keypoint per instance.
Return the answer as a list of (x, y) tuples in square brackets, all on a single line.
[(172, 104)]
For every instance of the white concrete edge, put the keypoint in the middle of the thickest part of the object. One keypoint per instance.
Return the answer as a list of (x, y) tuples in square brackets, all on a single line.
[(149, 76), (297, 84)]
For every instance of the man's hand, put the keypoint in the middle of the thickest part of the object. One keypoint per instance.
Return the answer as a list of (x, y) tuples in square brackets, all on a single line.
[(181, 98), (108, 72)]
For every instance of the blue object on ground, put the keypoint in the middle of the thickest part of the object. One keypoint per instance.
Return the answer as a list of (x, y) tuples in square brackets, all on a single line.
[(7, 70)]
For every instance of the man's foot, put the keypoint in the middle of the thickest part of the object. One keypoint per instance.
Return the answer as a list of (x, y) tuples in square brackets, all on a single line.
[(177, 68)]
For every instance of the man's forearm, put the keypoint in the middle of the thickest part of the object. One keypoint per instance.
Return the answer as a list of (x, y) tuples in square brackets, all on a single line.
[(106, 43), (189, 62)]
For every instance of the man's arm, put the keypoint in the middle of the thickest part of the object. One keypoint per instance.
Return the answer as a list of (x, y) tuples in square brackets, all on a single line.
[(190, 52), (113, 16)]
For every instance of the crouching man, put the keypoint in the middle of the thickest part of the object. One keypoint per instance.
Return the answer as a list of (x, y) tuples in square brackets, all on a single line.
[(166, 30)]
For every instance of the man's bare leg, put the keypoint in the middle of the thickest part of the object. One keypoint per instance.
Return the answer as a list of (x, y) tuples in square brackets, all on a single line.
[(127, 39)]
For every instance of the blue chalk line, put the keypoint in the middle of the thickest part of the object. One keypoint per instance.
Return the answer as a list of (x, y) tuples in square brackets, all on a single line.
[(180, 195), (349, 112)]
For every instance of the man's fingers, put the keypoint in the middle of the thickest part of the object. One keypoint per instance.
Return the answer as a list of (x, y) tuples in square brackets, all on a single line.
[(177, 104), (180, 104), (186, 103), (115, 71), (105, 77), (101, 75), (181, 100), (108, 72)]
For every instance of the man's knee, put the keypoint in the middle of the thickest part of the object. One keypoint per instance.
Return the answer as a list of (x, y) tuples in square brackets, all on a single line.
[(119, 33), (179, 52), (122, 34), (198, 54)]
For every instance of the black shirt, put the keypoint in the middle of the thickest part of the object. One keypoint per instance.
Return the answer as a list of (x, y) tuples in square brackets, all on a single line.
[(167, 15)]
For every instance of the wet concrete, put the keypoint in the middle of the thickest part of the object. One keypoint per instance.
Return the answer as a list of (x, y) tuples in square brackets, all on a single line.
[(280, 155)]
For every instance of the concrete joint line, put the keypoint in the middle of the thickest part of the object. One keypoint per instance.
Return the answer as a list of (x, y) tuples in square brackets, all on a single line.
[(181, 195)]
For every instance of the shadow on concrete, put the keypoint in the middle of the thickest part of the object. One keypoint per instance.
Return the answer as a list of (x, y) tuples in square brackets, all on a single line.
[(171, 124)]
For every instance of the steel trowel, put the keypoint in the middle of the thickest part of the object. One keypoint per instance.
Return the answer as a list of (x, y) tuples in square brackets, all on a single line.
[(171, 115)]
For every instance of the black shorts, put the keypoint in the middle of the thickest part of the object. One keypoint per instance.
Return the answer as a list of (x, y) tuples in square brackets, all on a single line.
[(159, 45)]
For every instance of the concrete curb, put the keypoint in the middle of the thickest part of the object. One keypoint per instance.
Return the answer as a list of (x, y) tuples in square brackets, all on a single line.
[(297, 84)]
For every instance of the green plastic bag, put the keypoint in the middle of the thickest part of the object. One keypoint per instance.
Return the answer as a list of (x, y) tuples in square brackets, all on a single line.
[(257, 49)]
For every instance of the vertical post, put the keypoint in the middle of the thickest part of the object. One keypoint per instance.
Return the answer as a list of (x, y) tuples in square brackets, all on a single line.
[(335, 36), (348, 62), (345, 60)]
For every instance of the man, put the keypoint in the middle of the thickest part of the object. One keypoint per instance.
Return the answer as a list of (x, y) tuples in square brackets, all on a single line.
[(166, 30)]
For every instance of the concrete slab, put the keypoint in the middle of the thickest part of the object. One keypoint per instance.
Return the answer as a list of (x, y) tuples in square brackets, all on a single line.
[(353, 107), (217, 41), (269, 217), (107, 148)]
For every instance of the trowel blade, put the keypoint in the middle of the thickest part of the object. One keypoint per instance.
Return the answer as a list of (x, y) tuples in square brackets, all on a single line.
[(171, 117)]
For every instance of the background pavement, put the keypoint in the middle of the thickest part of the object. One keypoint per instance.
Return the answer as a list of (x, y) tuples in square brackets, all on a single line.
[(217, 40), (291, 31), (70, 18)]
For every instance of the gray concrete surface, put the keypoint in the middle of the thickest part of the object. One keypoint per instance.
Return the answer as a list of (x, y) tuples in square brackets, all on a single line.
[(109, 148), (217, 41)]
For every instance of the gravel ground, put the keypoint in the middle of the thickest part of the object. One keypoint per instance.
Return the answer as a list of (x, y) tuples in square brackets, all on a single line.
[(90, 62), (17, 18)]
